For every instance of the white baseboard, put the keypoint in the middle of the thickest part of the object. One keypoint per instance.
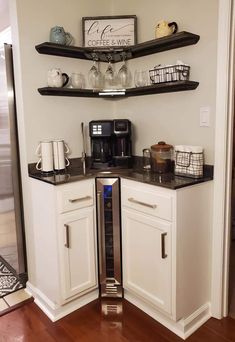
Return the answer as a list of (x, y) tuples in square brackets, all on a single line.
[(55, 311), (184, 327)]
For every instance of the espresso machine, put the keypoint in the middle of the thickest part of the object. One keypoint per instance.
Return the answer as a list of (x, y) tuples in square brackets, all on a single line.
[(111, 143)]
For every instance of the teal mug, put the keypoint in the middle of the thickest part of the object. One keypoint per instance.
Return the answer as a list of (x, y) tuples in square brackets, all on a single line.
[(59, 36)]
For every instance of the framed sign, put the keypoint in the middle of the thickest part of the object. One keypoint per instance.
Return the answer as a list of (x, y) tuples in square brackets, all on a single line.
[(109, 31)]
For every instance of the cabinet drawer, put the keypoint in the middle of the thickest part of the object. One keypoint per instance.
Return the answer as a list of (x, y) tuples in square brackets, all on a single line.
[(75, 195), (149, 201)]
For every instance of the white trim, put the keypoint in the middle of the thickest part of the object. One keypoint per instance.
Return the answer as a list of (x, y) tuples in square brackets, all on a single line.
[(219, 214), (55, 311), (184, 327), (230, 99)]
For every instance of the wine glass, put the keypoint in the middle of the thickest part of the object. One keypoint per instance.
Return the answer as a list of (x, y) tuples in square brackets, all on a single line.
[(124, 75), (110, 75), (95, 77)]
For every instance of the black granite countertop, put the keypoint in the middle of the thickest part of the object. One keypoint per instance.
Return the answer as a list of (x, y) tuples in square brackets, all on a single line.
[(74, 173)]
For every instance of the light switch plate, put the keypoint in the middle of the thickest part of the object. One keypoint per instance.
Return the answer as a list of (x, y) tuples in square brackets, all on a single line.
[(205, 116)]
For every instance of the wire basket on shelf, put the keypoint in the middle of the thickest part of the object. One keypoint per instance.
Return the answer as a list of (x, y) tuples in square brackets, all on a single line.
[(171, 73)]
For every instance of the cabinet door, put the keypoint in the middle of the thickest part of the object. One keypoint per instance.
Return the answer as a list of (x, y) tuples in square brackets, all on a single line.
[(78, 252), (147, 258)]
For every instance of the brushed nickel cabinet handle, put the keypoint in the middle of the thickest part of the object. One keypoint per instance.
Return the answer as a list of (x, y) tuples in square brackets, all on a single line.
[(85, 198), (132, 200), (67, 245), (164, 255)]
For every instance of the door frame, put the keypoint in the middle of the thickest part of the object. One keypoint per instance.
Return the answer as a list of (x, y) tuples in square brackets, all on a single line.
[(223, 159)]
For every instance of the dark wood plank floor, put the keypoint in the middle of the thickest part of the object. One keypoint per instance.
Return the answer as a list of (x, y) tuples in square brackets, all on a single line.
[(88, 324)]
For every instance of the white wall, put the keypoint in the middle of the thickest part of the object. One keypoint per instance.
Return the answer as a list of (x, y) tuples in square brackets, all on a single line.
[(54, 117), (4, 15), (174, 117)]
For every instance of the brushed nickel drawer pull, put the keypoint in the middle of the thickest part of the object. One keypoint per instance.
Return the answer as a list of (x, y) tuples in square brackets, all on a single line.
[(164, 255), (85, 198), (152, 206), (67, 236)]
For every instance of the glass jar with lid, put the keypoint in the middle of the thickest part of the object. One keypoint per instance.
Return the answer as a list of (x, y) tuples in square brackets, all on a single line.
[(146, 159), (161, 157)]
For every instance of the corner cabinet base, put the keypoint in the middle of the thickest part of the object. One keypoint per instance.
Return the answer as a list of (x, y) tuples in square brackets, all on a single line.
[(184, 327), (56, 312)]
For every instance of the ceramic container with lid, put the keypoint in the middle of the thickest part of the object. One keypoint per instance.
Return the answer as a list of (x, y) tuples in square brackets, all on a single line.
[(161, 157)]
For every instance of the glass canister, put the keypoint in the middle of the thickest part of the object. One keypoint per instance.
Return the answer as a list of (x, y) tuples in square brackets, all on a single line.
[(146, 159), (161, 157)]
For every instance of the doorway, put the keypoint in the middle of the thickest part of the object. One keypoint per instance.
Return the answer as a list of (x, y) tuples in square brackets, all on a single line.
[(231, 292), (12, 255)]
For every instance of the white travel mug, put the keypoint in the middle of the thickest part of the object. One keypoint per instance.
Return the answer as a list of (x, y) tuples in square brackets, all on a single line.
[(45, 152), (60, 149)]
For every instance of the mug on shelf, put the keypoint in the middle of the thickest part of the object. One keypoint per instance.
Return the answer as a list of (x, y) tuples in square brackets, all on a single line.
[(77, 80), (45, 153), (56, 78), (59, 36), (141, 78)]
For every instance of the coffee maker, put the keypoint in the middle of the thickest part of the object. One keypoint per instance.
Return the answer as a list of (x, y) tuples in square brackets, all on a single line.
[(101, 143), (110, 143), (121, 143)]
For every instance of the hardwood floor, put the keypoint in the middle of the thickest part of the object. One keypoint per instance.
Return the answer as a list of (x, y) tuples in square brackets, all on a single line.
[(88, 324)]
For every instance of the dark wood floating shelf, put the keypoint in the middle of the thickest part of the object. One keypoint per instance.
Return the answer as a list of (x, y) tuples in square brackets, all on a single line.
[(159, 88), (173, 41)]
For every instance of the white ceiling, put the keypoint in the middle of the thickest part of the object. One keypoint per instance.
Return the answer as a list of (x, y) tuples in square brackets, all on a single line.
[(4, 14)]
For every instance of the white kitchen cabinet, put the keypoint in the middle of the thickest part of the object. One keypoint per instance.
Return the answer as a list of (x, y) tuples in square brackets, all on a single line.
[(147, 258), (166, 242), (77, 252), (65, 246)]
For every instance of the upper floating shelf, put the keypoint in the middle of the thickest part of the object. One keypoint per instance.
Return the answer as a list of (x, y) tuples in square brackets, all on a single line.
[(173, 41)]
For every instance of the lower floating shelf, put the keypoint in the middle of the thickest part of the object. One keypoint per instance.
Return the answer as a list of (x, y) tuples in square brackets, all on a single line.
[(159, 88)]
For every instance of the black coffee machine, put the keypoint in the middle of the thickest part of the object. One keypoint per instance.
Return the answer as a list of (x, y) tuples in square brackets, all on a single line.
[(121, 143), (110, 143)]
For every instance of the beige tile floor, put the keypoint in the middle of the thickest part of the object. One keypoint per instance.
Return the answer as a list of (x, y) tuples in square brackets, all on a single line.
[(8, 245), (3, 305), (13, 299)]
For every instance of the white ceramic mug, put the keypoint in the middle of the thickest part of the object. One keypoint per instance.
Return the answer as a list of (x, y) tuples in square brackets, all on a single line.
[(45, 152), (60, 149)]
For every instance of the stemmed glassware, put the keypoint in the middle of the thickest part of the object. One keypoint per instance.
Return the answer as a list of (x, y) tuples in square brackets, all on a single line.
[(124, 74), (110, 79), (110, 76), (95, 77)]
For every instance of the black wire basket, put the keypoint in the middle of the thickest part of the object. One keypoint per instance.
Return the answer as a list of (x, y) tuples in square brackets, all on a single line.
[(171, 73)]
